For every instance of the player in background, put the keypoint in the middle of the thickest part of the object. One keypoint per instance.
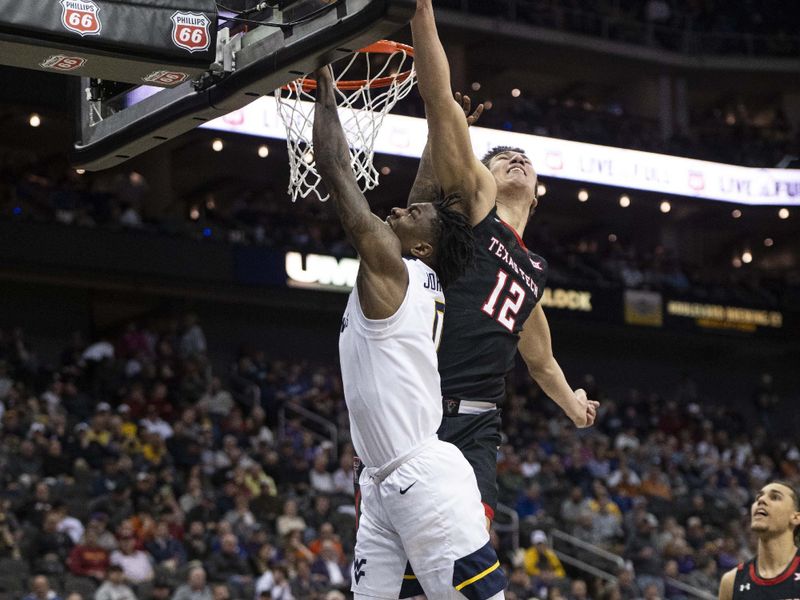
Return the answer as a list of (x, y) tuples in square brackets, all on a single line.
[(493, 310), (419, 499), (774, 572)]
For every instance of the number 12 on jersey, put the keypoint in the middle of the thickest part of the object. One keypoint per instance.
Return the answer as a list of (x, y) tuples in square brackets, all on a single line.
[(438, 324), (511, 305)]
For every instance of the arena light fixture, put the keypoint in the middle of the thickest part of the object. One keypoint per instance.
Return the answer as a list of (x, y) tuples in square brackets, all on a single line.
[(769, 242), (624, 201), (541, 190), (194, 213), (488, 104), (386, 170), (80, 171), (217, 145), (747, 257), (665, 207), (583, 195), (736, 213), (612, 237), (263, 151), (783, 213), (516, 93), (34, 120), (737, 262), (476, 86)]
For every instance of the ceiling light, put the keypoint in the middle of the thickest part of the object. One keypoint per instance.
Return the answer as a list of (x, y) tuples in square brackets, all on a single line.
[(769, 242), (783, 213), (583, 196), (34, 120), (217, 145), (747, 257), (516, 92), (736, 213), (624, 201), (263, 151), (665, 207)]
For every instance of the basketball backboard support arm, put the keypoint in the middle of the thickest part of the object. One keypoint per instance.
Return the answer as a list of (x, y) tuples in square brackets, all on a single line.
[(262, 60)]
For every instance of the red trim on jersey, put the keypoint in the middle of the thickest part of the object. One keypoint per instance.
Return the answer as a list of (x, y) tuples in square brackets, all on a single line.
[(516, 235), (740, 567), (357, 502), (488, 511), (775, 580)]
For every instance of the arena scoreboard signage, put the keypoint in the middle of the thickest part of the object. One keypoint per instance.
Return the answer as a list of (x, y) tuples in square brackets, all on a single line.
[(589, 163), (716, 316), (640, 308)]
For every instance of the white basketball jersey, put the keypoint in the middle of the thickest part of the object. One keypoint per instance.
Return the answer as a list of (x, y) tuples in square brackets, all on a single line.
[(390, 370)]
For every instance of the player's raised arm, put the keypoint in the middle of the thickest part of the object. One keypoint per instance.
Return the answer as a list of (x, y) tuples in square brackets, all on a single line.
[(457, 168), (380, 250), (537, 352), (426, 186)]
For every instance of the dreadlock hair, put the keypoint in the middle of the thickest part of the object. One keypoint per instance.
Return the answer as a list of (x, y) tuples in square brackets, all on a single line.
[(796, 497), (455, 247), (487, 158)]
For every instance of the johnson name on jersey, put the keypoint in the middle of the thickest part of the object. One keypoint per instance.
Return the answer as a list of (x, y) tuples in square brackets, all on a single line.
[(390, 370)]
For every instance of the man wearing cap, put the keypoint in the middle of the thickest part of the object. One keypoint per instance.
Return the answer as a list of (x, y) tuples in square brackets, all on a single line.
[(539, 556)]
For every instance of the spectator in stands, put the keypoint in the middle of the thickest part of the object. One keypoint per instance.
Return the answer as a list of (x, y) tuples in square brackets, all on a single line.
[(193, 340), (40, 590), (281, 587), (50, 540), (89, 559), (98, 524), (240, 517), (540, 555), (136, 564), (578, 590), (330, 567), (68, 524), (196, 542), (626, 583), (289, 520), (228, 566), (115, 588), (642, 547), (320, 478), (165, 550), (327, 535), (195, 587), (306, 584), (572, 507), (343, 476), (530, 504)]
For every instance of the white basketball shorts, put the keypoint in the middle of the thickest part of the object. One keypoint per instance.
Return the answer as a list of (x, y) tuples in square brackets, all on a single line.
[(426, 512)]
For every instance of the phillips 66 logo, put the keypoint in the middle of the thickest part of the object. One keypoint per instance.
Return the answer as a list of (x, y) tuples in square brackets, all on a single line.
[(81, 17), (190, 31)]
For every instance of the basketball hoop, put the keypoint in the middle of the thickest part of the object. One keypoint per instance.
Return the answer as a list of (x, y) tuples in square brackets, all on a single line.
[(388, 76)]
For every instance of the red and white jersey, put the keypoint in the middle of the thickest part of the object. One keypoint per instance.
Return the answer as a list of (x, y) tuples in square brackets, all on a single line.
[(390, 370)]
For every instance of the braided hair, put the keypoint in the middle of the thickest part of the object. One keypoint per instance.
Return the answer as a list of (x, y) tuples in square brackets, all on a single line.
[(455, 248)]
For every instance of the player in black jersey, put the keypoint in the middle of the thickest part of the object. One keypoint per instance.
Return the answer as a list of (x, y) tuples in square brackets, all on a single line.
[(493, 309), (774, 573)]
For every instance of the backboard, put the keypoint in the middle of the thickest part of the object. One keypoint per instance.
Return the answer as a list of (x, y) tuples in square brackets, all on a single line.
[(257, 52)]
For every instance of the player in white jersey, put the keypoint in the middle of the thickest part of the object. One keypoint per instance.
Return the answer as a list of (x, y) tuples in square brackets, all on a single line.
[(420, 501)]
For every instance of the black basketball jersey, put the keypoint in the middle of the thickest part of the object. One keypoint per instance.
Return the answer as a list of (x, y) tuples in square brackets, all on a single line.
[(486, 309), (749, 586)]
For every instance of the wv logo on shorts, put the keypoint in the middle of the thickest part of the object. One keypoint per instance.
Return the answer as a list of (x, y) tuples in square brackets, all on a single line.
[(358, 570), (744, 586)]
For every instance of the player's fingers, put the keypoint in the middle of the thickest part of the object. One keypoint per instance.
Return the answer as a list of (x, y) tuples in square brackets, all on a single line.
[(466, 104), (477, 114)]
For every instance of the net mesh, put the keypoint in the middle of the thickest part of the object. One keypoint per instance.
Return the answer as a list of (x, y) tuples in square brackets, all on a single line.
[(385, 76)]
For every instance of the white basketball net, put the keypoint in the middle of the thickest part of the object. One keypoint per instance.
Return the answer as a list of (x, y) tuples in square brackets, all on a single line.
[(361, 112)]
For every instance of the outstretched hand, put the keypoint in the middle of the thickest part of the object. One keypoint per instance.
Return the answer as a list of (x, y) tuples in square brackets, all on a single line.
[(466, 105), (588, 414)]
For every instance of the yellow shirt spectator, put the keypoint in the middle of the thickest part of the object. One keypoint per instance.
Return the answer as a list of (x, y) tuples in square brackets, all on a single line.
[(539, 555)]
